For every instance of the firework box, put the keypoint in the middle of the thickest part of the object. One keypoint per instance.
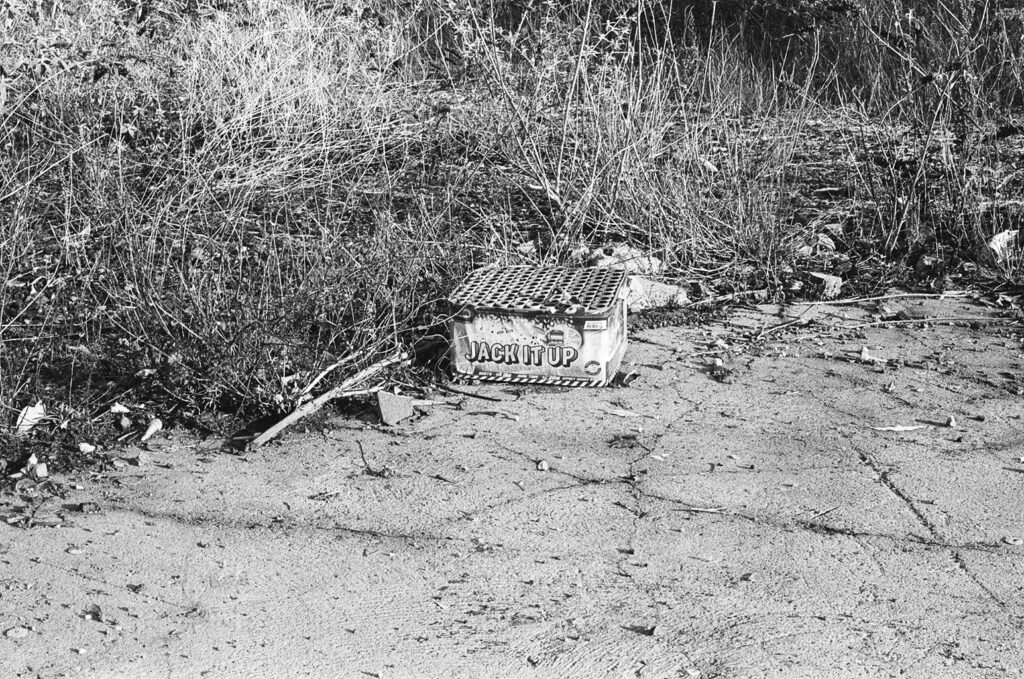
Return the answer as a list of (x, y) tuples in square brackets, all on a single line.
[(544, 325)]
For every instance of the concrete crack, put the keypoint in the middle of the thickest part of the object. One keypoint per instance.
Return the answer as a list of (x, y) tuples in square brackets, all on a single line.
[(957, 555)]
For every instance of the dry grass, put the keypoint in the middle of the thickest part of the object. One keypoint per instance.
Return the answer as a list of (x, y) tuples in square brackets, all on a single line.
[(201, 206)]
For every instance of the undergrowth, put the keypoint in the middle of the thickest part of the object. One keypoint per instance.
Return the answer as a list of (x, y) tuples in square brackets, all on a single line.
[(202, 205)]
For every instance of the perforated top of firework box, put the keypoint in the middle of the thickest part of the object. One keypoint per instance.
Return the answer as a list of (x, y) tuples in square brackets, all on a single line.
[(530, 289), (539, 325)]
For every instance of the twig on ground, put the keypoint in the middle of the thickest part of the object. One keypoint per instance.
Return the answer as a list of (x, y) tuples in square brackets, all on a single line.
[(821, 514), (928, 319), (453, 390), (796, 321), (899, 295), (495, 413), (725, 298), (304, 394), (703, 510), (342, 390), (380, 473)]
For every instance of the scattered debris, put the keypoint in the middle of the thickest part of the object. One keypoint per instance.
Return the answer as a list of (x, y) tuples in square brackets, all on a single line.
[(29, 417), (543, 466), (1016, 542), (119, 409), (627, 441), (645, 630), (901, 427), (721, 372), (125, 422), (83, 507), (18, 632), (40, 471), (866, 357), (93, 612), (951, 422), (393, 408), (86, 448)]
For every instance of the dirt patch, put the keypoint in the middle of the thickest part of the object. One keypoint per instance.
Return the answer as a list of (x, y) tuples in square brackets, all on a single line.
[(745, 517)]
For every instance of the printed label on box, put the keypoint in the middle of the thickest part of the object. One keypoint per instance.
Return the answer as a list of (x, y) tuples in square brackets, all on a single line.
[(596, 325)]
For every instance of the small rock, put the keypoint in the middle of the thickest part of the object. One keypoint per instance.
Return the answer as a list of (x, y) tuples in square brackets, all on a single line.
[(543, 466), (393, 408), (951, 422), (16, 633), (1016, 542), (125, 422)]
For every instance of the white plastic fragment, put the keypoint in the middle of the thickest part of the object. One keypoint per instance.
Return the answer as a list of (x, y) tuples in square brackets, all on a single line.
[(1001, 242), (645, 293), (29, 417), (155, 425), (86, 448), (632, 260), (119, 409)]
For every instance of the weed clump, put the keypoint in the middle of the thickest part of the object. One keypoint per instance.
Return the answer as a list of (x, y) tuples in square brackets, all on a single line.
[(202, 205)]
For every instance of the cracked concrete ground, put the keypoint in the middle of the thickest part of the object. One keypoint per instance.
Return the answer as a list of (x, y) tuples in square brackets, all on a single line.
[(686, 527)]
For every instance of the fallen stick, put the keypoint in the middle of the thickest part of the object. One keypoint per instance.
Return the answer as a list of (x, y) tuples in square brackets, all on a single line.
[(927, 319), (343, 389), (304, 394), (899, 295), (453, 390), (703, 510), (821, 514), (725, 298)]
